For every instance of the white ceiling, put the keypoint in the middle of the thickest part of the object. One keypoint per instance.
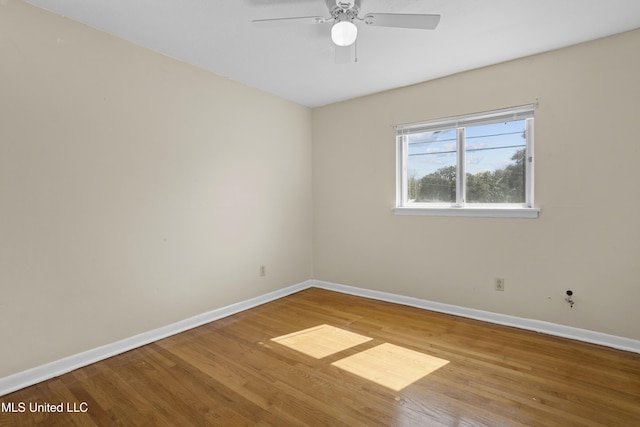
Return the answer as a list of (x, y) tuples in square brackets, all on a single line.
[(297, 62)]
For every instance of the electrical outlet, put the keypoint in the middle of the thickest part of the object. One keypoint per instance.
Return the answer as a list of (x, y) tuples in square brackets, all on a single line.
[(263, 270), (499, 284)]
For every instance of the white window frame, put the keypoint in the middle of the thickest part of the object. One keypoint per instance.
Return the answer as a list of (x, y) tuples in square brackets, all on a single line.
[(460, 208)]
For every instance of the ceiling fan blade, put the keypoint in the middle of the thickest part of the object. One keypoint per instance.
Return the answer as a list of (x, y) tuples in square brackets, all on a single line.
[(401, 20), (278, 22), (346, 54)]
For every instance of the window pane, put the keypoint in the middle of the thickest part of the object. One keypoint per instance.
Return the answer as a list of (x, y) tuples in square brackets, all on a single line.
[(431, 167), (495, 166)]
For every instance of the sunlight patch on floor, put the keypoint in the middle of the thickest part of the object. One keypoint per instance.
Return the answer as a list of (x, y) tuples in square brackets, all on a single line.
[(391, 366), (321, 341)]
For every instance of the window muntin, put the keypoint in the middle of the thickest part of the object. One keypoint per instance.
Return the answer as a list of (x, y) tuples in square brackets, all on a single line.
[(474, 161)]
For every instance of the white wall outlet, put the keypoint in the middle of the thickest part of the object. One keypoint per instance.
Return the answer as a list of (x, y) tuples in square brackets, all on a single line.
[(263, 270), (499, 284)]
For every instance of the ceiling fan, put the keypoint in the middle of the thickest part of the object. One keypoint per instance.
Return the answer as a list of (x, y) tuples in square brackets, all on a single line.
[(344, 32)]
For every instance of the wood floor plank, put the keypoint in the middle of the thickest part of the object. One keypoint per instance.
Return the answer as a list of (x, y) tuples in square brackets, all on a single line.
[(232, 372)]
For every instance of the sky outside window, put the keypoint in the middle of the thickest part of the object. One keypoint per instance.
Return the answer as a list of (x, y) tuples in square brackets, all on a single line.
[(489, 147)]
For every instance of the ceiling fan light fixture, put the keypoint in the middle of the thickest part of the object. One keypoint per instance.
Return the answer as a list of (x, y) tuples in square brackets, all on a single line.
[(344, 33)]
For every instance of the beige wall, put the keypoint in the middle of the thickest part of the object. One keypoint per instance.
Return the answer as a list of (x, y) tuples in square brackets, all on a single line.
[(135, 190), (587, 159)]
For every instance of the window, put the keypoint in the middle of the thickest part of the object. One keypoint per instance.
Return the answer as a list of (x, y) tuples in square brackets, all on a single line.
[(473, 165)]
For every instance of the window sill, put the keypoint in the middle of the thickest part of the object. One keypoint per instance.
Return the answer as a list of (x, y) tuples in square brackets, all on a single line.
[(477, 212)]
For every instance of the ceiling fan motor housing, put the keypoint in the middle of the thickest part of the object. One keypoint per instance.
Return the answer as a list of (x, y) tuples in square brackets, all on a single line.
[(345, 4), (344, 10)]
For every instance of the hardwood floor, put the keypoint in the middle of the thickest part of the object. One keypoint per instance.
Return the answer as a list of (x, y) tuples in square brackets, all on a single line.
[(456, 372)]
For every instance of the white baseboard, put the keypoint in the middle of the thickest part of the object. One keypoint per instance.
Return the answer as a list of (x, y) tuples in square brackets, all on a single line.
[(578, 334), (41, 373)]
